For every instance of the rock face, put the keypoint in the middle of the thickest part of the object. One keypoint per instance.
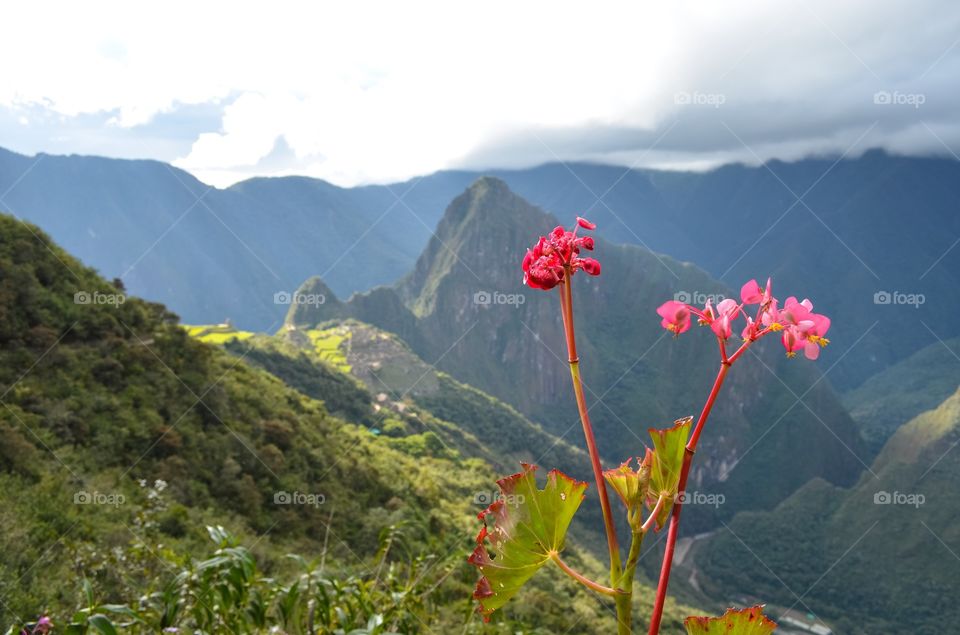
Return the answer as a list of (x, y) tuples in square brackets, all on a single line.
[(464, 308)]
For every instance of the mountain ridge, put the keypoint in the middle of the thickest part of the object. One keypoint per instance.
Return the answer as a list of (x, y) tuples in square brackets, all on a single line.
[(870, 226)]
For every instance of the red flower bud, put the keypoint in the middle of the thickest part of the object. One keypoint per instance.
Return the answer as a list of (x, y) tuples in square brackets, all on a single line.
[(547, 263)]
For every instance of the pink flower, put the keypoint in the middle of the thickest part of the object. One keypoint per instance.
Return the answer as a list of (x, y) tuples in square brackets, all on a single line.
[(768, 292), (803, 329), (43, 626), (727, 312), (676, 316), (750, 330), (557, 255), (770, 315), (751, 293)]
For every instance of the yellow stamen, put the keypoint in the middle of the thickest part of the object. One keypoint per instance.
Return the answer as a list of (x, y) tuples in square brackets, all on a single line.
[(776, 327)]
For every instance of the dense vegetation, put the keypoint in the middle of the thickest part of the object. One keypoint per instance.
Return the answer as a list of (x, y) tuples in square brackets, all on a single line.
[(419, 403), (103, 401), (919, 383), (877, 558)]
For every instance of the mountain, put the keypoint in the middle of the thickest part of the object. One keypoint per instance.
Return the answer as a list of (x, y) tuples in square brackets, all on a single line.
[(464, 309), (213, 254), (124, 436), (876, 558), (872, 238), (901, 392)]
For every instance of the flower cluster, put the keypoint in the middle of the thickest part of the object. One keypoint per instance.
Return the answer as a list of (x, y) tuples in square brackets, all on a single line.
[(558, 255), (802, 329)]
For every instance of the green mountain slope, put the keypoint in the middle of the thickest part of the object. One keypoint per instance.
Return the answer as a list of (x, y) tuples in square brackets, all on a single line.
[(411, 400), (901, 392), (466, 307), (878, 558), (100, 393)]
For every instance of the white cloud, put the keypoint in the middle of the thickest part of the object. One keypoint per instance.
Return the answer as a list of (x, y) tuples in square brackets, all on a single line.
[(377, 91)]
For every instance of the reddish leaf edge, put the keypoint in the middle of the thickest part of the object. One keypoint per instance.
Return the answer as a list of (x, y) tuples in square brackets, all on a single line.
[(479, 557), (752, 613)]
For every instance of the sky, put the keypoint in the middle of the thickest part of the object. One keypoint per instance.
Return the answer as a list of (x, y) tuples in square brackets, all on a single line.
[(373, 92)]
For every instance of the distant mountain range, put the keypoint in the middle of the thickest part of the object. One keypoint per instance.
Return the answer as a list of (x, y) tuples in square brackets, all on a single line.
[(871, 239)]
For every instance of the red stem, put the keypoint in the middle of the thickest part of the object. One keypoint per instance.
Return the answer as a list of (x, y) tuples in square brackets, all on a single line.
[(566, 309), (674, 528), (653, 515), (579, 577)]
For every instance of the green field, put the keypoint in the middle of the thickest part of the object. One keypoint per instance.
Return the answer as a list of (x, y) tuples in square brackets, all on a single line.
[(216, 333)]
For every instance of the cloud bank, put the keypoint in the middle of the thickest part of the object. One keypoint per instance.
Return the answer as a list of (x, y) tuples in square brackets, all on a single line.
[(377, 91)]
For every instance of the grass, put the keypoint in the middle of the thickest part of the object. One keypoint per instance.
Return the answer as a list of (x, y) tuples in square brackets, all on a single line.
[(216, 333)]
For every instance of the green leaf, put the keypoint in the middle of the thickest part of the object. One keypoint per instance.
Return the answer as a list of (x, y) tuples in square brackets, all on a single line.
[(750, 621), (668, 450), (102, 624), (523, 528)]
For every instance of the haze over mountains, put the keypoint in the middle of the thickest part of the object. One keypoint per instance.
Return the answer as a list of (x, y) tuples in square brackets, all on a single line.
[(871, 237)]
